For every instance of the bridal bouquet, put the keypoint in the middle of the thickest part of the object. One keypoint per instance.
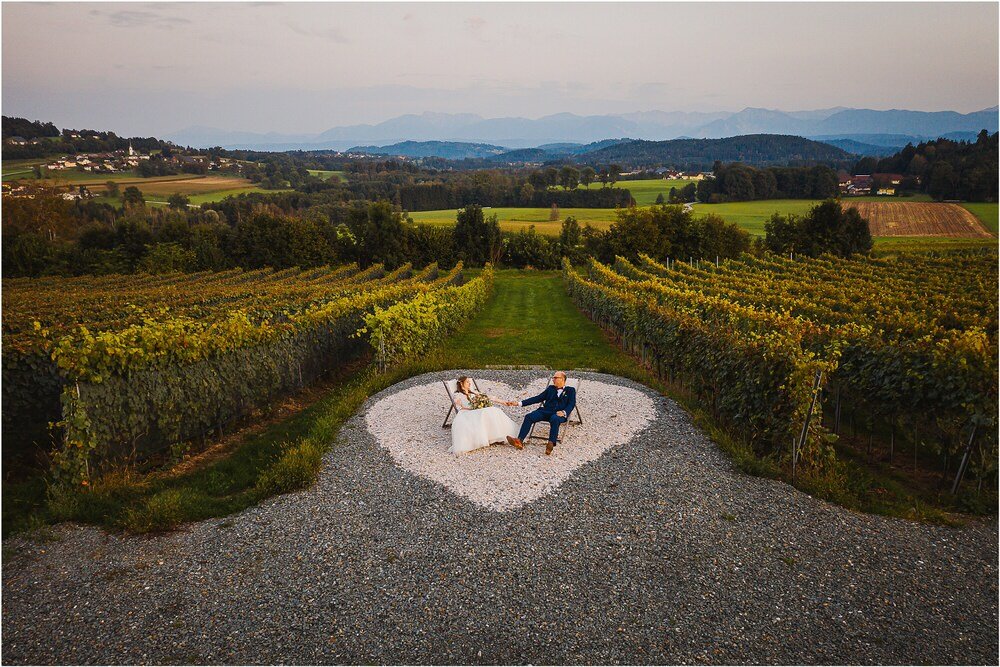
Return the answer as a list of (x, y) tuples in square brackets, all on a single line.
[(480, 401)]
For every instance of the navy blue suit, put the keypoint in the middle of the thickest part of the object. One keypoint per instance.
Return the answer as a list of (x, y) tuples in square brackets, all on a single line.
[(551, 404)]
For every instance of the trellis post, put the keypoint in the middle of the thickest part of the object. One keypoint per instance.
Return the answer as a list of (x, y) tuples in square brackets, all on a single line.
[(965, 461), (805, 425)]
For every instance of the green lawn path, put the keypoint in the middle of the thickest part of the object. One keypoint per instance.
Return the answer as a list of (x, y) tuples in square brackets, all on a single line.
[(531, 321)]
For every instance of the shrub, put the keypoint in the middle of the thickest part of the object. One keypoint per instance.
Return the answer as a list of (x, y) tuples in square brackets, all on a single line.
[(296, 468)]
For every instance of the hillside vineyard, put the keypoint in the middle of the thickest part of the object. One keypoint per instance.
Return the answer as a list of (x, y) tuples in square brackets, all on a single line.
[(909, 342), (139, 362)]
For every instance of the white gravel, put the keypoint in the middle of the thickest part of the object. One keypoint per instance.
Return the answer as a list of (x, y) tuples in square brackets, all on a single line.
[(500, 477)]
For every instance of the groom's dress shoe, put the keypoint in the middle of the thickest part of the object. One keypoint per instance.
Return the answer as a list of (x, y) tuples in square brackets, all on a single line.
[(548, 448), (514, 442)]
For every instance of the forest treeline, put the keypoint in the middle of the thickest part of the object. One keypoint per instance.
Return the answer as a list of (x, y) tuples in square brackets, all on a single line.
[(53, 141), (740, 182), (945, 169), (47, 235)]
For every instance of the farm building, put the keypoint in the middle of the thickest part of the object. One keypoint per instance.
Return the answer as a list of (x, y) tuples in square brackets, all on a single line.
[(861, 184)]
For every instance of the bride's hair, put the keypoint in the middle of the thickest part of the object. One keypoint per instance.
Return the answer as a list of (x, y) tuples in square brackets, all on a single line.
[(461, 381)]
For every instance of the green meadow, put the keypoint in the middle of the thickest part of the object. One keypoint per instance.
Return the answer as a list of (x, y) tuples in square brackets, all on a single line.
[(327, 173), (986, 212), (516, 219), (749, 215), (15, 170), (219, 195), (645, 191)]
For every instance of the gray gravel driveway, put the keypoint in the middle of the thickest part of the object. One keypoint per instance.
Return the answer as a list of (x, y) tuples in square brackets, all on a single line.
[(660, 551)]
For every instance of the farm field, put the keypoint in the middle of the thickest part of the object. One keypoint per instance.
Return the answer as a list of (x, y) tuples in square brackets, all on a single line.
[(192, 186), (131, 177), (986, 212), (72, 176), (193, 200), (15, 169), (165, 186), (199, 189), (516, 219), (326, 173), (219, 195), (892, 244), (644, 191), (750, 215), (920, 219)]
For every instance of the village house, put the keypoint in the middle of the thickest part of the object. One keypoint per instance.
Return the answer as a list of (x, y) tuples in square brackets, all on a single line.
[(893, 179), (860, 184)]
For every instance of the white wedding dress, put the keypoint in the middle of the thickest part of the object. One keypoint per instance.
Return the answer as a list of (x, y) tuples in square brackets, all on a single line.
[(473, 429)]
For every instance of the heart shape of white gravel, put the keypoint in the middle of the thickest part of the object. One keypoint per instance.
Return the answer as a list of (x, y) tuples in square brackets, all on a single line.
[(501, 478)]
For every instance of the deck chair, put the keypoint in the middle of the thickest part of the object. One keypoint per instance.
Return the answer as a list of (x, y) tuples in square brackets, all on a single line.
[(570, 382), (451, 386)]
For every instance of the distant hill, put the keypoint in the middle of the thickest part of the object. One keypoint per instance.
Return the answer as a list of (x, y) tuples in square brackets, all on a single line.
[(525, 155), (861, 148), (754, 149), (558, 151), (881, 145), (900, 121), (451, 150), (567, 128)]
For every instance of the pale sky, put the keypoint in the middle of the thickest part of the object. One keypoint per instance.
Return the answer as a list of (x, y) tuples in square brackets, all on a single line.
[(153, 68)]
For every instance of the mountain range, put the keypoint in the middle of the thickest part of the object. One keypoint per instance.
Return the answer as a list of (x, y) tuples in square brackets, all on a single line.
[(833, 124)]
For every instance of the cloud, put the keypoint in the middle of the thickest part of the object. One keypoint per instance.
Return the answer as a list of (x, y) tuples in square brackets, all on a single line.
[(133, 19), (329, 34)]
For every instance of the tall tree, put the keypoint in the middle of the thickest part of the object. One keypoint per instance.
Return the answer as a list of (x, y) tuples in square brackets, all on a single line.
[(178, 201), (614, 171), (381, 236), (569, 177), (551, 177), (477, 237), (132, 196), (569, 237)]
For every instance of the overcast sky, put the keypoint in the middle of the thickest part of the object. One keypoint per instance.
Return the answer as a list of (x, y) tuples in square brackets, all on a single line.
[(152, 68)]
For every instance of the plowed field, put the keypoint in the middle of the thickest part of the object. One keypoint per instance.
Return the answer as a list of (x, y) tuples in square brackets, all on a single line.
[(920, 219)]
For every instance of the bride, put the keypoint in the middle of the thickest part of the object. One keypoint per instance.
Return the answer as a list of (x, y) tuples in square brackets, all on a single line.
[(477, 427)]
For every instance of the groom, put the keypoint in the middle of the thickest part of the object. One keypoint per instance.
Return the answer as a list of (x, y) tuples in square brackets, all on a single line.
[(557, 401)]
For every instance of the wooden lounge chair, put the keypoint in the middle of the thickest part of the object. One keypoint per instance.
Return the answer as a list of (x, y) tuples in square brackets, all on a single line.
[(451, 386), (570, 382)]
